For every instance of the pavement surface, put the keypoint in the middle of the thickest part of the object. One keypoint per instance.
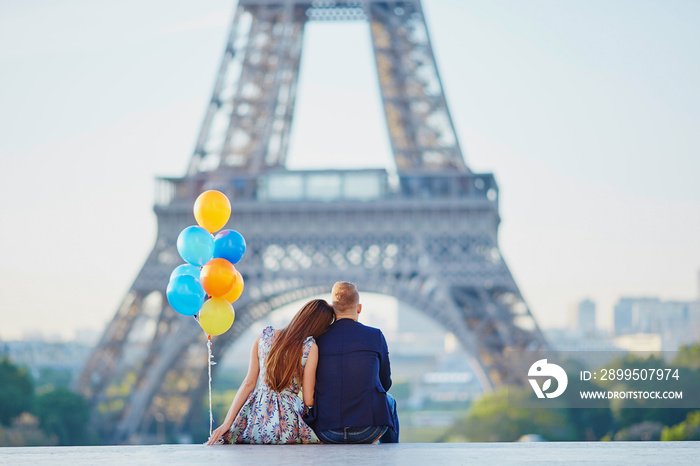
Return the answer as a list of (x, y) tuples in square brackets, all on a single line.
[(405, 454)]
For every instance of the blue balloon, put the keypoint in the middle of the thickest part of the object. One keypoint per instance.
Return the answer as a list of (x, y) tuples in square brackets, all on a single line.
[(195, 245), (229, 245), (185, 294), (186, 269)]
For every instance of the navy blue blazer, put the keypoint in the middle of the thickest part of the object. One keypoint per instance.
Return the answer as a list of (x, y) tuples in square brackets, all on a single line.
[(352, 378)]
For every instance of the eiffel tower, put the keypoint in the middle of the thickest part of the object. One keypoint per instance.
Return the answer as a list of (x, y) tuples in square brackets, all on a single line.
[(425, 233)]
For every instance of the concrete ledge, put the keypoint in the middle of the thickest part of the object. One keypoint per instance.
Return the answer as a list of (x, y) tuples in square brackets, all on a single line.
[(430, 454)]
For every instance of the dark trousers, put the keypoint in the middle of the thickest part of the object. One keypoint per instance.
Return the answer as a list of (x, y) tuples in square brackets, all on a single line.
[(365, 434)]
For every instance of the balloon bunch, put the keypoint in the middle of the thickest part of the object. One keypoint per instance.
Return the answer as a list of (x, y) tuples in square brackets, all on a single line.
[(209, 269)]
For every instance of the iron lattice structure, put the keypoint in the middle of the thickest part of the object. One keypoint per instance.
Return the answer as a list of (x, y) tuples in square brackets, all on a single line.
[(425, 233)]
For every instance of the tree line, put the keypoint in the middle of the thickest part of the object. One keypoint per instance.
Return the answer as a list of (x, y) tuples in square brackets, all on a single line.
[(48, 415), (495, 417)]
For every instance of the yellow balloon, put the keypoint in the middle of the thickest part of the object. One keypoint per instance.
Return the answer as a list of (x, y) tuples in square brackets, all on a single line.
[(216, 316), (212, 210), (237, 289)]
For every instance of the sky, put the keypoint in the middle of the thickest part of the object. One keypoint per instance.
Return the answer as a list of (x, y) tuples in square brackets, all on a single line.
[(585, 111)]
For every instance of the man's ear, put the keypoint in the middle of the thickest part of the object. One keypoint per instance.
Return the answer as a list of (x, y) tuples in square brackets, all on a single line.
[(359, 308)]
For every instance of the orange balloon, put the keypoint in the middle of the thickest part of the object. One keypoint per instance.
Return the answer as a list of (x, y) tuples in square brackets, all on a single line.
[(212, 210), (236, 291), (217, 277), (216, 316)]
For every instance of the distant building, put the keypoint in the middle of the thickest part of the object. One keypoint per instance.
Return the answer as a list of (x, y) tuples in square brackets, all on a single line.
[(640, 342), (583, 317), (39, 356), (592, 349), (566, 339), (635, 315), (676, 322)]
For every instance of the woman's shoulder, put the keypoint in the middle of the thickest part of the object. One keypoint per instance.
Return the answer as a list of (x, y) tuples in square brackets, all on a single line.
[(309, 340), (308, 344), (268, 333)]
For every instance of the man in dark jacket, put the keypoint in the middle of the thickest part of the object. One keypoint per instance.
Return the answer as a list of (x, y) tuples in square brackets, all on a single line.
[(352, 378)]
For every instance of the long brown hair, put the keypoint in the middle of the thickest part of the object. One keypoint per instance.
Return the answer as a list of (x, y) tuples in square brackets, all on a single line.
[(283, 361)]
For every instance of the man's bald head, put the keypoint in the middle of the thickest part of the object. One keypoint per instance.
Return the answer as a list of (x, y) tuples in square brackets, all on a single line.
[(345, 298)]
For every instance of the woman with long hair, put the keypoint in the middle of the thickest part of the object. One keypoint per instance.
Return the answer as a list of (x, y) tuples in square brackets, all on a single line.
[(267, 407)]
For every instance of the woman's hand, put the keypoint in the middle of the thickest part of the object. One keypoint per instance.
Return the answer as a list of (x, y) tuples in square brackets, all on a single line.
[(217, 434), (244, 390)]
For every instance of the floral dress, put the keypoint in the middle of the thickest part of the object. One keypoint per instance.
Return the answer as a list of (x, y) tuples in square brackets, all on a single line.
[(268, 416)]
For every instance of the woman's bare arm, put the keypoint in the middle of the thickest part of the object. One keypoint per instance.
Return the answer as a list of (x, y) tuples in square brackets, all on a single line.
[(246, 387), (309, 377)]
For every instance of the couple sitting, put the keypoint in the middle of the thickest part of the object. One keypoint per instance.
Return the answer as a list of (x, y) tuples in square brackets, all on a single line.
[(343, 370)]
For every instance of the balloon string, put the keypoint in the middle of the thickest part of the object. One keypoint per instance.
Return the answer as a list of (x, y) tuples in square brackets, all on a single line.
[(211, 363)]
